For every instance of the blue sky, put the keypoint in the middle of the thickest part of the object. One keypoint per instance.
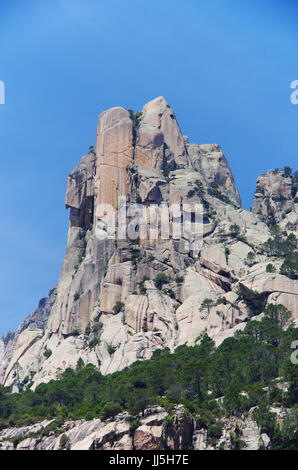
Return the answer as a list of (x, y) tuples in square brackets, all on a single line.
[(225, 67)]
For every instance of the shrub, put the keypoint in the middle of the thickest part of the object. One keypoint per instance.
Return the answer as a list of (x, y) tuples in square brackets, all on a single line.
[(16, 441), (135, 423), (179, 280), (111, 349), (279, 314), (135, 116), (279, 244), (199, 188), (206, 305), (227, 254), (215, 432), (265, 419), (94, 342), (75, 332), (235, 437), (80, 364), (94, 333), (142, 285), (76, 296), (160, 279), (166, 172), (213, 190), (270, 268), (287, 172), (250, 259), (118, 307), (97, 327), (109, 410), (235, 230), (168, 421), (256, 302), (64, 442), (136, 256), (289, 267), (47, 353), (221, 301)]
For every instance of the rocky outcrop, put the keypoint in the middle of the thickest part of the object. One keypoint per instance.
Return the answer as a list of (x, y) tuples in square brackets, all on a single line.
[(279, 290), (108, 308), (276, 199), (14, 344), (40, 316), (159, 129), (155, 430), (211, 163)]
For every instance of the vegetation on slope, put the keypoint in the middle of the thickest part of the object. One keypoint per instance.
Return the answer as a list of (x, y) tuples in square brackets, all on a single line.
[(283, 245), (194, 376)]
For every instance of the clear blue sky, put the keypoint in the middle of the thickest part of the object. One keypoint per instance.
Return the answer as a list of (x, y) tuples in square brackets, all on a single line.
[(224, 66)]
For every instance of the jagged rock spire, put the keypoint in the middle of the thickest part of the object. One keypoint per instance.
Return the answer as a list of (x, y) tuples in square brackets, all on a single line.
[(111, 285)]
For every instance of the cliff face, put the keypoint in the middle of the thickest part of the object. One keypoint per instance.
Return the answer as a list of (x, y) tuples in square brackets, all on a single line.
[(107, 309)]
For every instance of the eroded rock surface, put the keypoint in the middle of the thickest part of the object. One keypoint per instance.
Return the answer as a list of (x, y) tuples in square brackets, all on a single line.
[(156, 430), (107, 308)]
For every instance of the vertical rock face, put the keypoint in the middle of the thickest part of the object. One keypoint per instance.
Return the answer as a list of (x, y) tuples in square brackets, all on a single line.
[(109, 308), (69, 313), (114, 150), (80, 192)]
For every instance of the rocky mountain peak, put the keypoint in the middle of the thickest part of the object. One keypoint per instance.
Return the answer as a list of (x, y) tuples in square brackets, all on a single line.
[(121, 298)]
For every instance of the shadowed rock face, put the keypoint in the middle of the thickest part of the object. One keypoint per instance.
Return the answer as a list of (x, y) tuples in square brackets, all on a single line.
[(107, 309), (114, 150), (80, 192)]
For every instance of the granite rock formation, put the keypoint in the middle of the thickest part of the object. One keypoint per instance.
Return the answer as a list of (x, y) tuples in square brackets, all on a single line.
[(108, 308), (154, 431)]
